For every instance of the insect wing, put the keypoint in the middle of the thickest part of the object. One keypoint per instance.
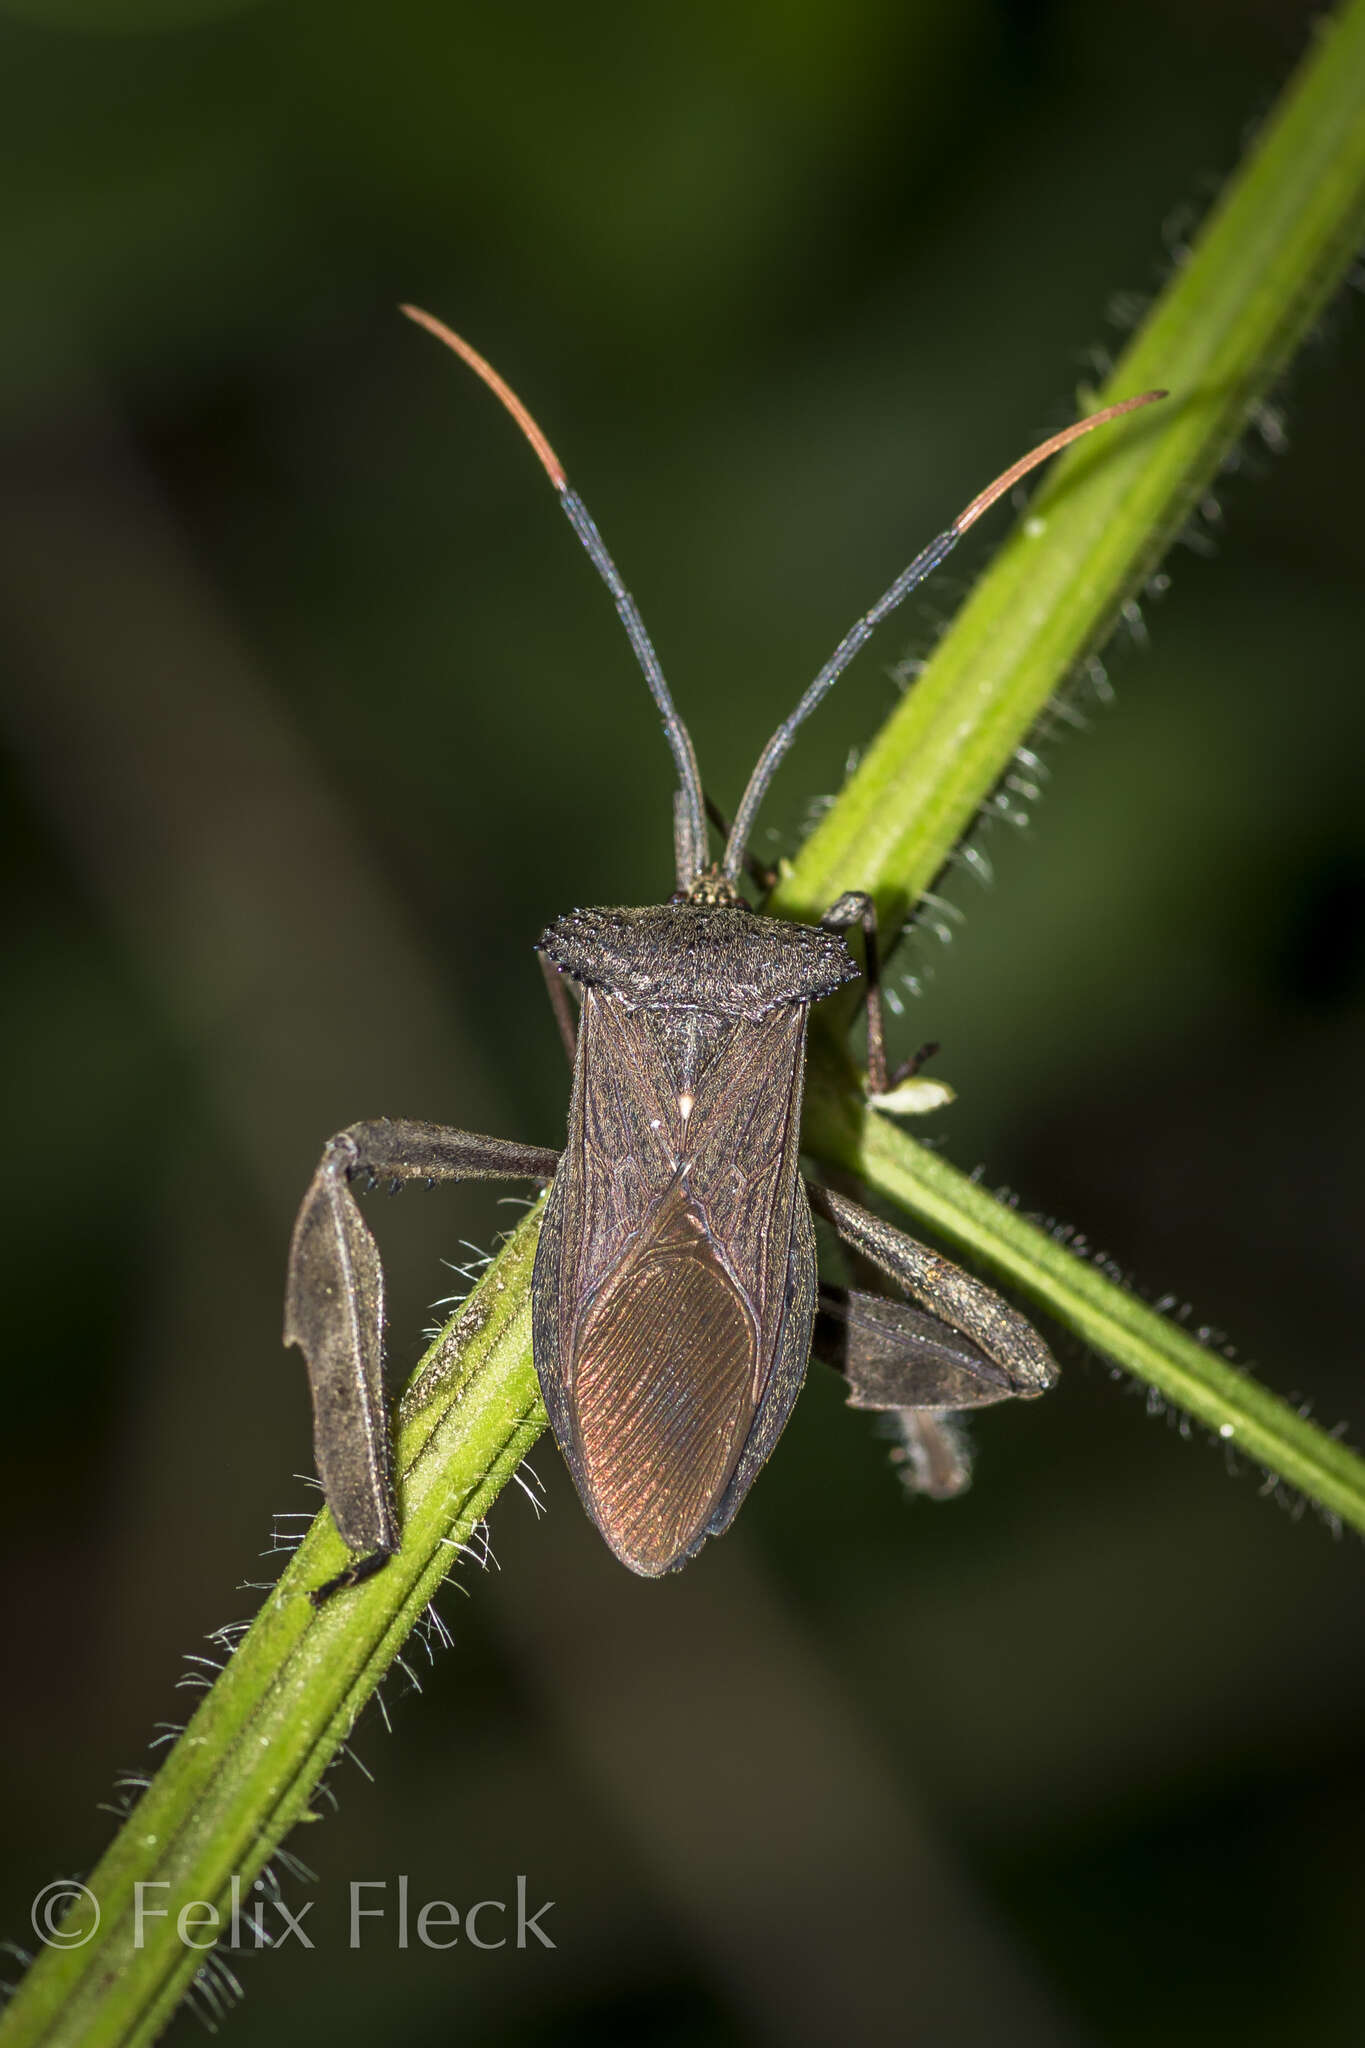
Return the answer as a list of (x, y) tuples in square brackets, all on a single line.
[(661, 1284)]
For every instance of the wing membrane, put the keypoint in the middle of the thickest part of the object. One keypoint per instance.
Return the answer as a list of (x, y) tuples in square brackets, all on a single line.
[(663, 1381)]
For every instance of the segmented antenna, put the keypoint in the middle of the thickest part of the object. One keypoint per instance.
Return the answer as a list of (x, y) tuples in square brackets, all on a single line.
[(862, 631), (690, 834)]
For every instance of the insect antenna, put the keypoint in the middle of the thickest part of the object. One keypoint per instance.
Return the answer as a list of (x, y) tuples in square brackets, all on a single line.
[(923, 564), (690, 822)]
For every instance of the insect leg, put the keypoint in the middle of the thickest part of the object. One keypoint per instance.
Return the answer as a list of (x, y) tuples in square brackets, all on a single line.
[(893, 1358), (857, 908), (1003, 1355), (334, 1309), (963, 1348), (896, 1356), (562, 1005)]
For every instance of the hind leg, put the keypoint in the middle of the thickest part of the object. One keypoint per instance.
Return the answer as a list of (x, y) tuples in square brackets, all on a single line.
[(334, 1309), (960, 1347)]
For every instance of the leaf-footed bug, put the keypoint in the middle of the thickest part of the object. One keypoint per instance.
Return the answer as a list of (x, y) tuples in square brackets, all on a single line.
[(674, 1296)]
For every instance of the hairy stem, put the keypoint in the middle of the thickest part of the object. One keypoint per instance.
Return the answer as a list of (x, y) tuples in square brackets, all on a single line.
[(1271, 254), (246, 1769), (843, 1132)]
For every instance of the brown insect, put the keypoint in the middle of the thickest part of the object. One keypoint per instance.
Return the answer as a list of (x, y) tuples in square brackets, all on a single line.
[(675, 1291)]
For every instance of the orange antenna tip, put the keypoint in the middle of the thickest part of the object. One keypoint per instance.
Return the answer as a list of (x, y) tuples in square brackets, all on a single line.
[(1052, 446), (502, 390)]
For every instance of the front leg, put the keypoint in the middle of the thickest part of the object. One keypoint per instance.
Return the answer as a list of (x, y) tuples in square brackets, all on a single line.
[(334, 1309), (856, 907)]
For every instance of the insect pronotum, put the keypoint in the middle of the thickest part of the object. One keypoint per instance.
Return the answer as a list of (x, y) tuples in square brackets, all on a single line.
[(674, 1295)]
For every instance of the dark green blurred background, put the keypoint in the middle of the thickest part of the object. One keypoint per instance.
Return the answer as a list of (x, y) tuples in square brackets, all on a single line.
[(315, 714)]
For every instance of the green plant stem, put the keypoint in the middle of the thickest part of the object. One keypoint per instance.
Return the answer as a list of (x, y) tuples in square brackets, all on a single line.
[(843, 1132), (1270, 256), (247, 1768)]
